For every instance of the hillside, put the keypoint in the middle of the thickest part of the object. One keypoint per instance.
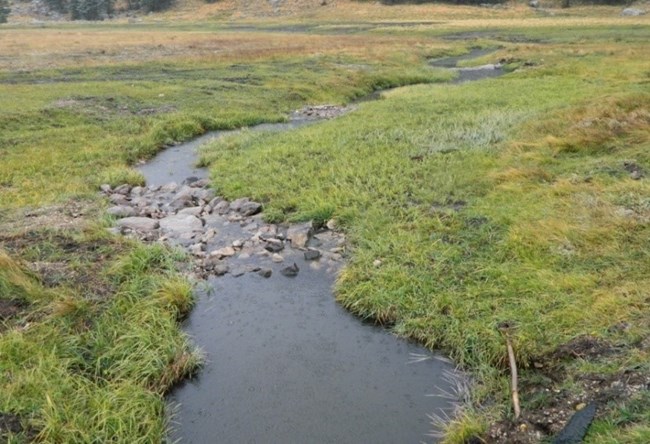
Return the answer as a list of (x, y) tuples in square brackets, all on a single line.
[(36, 11)]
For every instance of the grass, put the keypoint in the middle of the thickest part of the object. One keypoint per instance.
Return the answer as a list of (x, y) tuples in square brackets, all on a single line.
[(93, 122), (509, 199), (505, 200), (77, 368)]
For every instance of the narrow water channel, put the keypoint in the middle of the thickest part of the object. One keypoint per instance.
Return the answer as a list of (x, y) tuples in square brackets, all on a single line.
[(289, 365), (285, 363)]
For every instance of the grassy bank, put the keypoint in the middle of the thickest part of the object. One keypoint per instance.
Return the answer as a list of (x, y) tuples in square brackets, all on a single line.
[(509, 200), (520, 199), (89, 349), (90, 123)]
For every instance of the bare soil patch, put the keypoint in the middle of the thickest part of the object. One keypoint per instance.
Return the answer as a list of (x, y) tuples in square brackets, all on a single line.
[(10, 308), (557, 404), (11, 425)]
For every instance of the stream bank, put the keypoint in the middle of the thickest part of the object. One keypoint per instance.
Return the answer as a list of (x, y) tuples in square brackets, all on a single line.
[(285, 363)]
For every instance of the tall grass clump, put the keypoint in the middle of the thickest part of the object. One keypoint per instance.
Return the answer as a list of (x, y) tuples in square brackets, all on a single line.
[(101, 378)]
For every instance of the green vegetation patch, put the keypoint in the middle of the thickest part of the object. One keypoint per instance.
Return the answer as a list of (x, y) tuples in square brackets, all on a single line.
[(80, 365), (520, 199), (89, 124)]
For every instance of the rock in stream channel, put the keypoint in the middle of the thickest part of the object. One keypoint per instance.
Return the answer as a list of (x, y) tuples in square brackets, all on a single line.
[(222, 237)]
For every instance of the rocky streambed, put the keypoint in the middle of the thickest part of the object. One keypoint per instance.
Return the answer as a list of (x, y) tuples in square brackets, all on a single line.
[(222, 237), (285, 363)]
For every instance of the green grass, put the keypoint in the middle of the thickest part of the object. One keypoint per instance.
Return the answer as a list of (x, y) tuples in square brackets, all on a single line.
[(503, 200), (82, 370), (91, 123), (507, 199)]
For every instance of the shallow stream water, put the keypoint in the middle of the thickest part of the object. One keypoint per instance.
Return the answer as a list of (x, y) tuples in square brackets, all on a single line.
[(287, 364)]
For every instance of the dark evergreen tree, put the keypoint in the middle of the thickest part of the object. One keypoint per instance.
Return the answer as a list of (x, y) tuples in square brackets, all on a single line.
[(90, 9), (4, 10), (57, 5), (149, 5)]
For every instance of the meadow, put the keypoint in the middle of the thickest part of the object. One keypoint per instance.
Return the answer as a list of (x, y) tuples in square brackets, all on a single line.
[(521, 199)]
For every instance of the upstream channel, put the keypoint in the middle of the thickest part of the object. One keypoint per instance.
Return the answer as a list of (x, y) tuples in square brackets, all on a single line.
[(287, 364)]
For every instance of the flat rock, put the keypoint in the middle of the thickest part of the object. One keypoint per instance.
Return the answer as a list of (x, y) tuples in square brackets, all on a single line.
[(199, 183), (122, 189), (205, 195), (213, 203), (193, 211), (221, 207), (138, 223), (223, 252), (118, 199), (170, 187), (140, 202), (181, 200), (299, 235), (237, 204), (265, 272), (250, 208), (121, 211), (181, 223)]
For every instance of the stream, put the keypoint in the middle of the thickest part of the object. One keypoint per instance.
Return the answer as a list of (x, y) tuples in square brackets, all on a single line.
[(284, 362)]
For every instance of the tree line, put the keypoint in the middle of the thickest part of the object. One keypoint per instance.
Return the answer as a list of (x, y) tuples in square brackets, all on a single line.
[(92, 9)]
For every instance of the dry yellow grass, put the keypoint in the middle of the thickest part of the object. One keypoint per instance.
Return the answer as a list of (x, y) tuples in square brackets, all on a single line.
[(95, 45), (510, 14)]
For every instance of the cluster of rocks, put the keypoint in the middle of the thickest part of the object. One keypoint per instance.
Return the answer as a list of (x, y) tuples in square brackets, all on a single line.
[(632, 12), (222, 237), (321, 112)]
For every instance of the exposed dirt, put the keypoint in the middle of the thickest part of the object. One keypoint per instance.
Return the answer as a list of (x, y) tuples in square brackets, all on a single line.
[(58, 259), (557, 405), (69, 215), (11, 425), (10, 308)]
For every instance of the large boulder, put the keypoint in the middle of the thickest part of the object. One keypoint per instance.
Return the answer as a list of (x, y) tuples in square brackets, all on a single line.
[(632, 12), (181, 223), (138, 223)]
